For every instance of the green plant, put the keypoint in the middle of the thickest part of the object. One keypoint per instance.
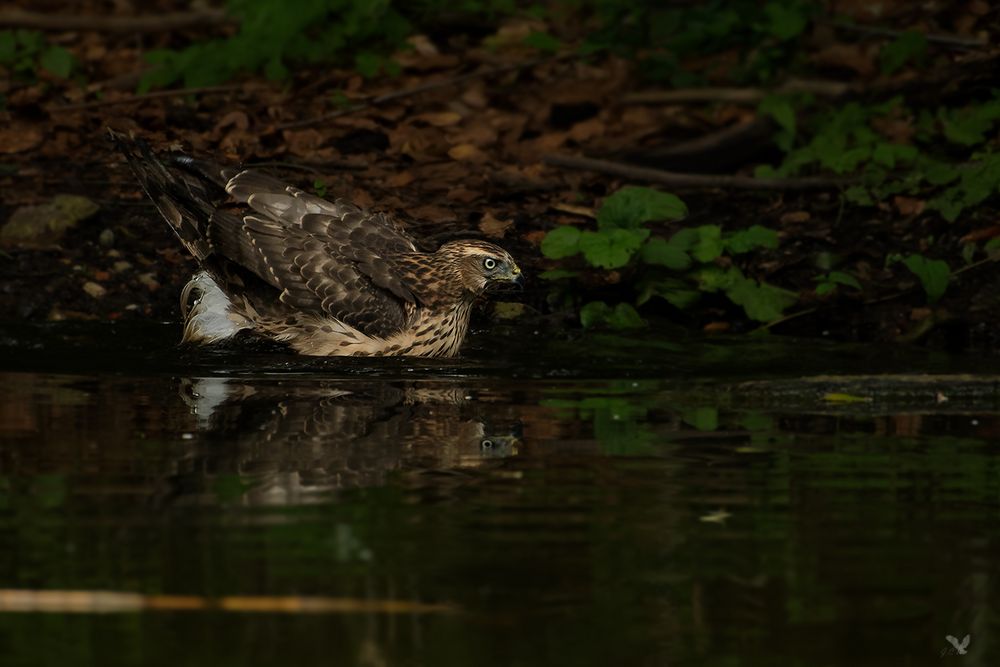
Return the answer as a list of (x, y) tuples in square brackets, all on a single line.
[(934, 274), (678, 269), (949, 159), (661, 35), (271, 39), (24, 52), (828, 282)]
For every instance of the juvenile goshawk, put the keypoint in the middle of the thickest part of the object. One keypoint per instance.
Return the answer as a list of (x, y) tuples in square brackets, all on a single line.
[(325, 278)]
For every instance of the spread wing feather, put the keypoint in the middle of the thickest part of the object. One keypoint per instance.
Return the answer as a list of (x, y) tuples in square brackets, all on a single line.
[(327, 257)]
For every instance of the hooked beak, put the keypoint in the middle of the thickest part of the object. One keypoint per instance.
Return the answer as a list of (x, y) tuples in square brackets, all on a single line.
[(516, 277)]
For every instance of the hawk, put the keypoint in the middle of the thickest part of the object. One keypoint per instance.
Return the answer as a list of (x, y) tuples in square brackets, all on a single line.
[(324, 277)]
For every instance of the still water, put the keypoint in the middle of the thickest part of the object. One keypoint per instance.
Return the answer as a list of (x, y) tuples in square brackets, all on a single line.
[(597, 501)]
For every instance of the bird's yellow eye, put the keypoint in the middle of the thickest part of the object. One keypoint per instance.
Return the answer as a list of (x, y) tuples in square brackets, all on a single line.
[(489, 263)]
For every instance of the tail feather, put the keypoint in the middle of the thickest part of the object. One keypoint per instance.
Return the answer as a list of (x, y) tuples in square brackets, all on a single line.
[(183, 191)]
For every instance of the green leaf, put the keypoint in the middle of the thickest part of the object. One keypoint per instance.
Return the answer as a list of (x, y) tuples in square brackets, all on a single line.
[(751, 239), (8, 46), (703, 419), (976, 183), (676, 292), (611, 248), (558, 274), (760, 301), (968, 126), (934, 275), (785, 20), (662, 253), (633, 206), (58, 61), (319, 187), (779, 107), (911, 45), (368, 64), (714, 278), (622, 316), (709, 244), (842, 278), (543, 41), (858, 194), (561, 242)]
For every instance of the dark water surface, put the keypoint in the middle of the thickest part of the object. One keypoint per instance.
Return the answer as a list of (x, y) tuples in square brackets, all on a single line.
[(588, 502)]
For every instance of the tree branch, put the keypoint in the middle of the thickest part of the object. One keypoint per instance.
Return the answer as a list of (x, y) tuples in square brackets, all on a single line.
[(19, 18), (134, 99), (678, 180)]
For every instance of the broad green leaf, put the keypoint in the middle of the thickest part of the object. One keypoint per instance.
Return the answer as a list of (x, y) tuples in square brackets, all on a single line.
[(8, 46), (760, 301), (633, 206), (543, 41), (887, 154), (779, 107), (662, 253), (561, 242), (685, 239), (934, 275), (842, 278), (709, 244), (858, 194), (674, 291), (611, 248), (598, 313), (751, 239), (714, 278), (785, 20), (368, 64), (58, 61), (558, 274), (703, 418), (910, 46)]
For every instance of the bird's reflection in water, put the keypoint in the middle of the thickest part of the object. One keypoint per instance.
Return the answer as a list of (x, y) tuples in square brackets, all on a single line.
[(289, 443)]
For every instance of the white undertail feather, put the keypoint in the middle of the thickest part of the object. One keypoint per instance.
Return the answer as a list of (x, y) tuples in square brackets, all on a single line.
[(208, 312)]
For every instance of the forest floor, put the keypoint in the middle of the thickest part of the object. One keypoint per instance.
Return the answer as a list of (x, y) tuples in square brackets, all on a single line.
[(459, 144)]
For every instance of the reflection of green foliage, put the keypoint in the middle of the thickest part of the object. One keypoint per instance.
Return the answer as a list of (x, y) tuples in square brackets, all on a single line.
[(619, 421)]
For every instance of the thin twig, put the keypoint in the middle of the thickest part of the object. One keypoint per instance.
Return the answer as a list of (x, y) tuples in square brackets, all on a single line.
[(735, 95), (422, 88), (679, 180), (937, 38), (312, 167), (134, 99), (19, 18)]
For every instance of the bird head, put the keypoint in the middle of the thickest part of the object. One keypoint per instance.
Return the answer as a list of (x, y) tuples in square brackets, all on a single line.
[(480, 265)]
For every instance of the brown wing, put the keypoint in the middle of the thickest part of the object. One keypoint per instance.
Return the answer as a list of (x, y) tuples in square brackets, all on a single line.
[(327, 257)]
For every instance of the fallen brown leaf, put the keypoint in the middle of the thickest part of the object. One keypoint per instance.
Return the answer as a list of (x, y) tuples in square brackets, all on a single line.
[(19, 137), (909, 205), (467, 153), (795, 217), (439, 118), (494, 227)]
